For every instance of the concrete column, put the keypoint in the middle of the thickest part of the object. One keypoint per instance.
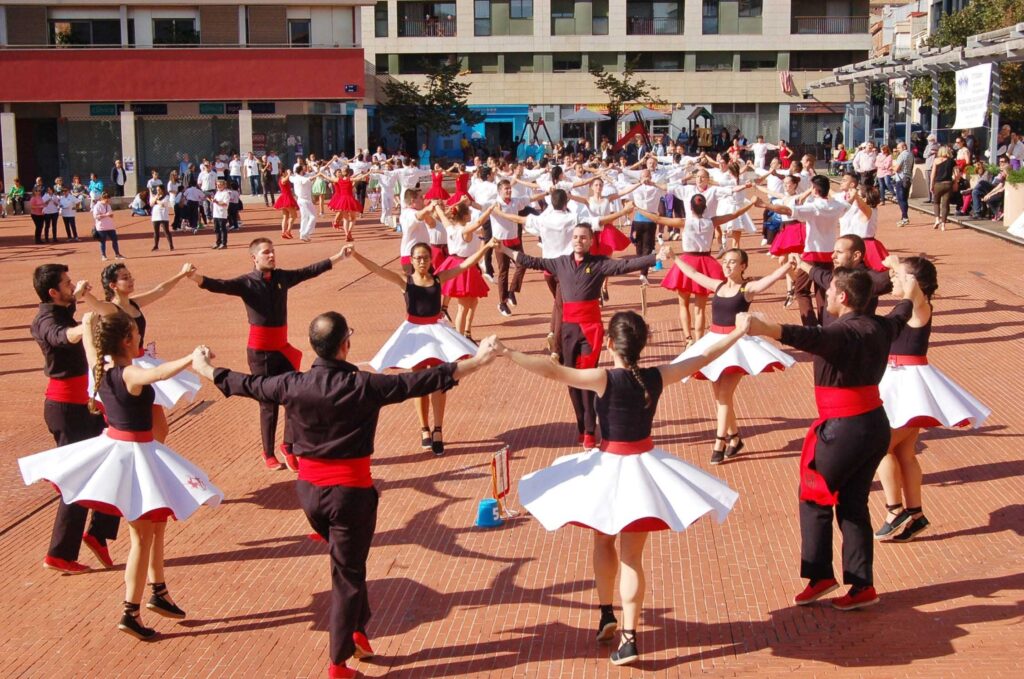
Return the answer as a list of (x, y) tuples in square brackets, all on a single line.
[(361, 128), (244, 140), (128, 155), (867, 110), (243, 35), (935, 102), (886, 113), (124, 25), (995, 94), (9, 140), (784, 122)]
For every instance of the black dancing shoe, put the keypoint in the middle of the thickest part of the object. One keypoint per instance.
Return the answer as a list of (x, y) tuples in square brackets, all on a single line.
[(627, 652), (889, 529), (917, 526), (426, 442), (718, 456), (436, 442), (161, 606), (130, 623), (734, 449), (607, 626)]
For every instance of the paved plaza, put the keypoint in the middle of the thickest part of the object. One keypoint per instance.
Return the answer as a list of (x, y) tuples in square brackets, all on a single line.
[(450, 600)]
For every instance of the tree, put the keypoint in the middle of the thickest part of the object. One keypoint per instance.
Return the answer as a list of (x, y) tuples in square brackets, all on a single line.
[(979, 16), (437, 107), (625, 90)]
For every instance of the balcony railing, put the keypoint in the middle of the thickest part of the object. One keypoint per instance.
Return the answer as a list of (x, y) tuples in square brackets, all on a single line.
[(569, 25), (829, 25), (439, 27), (652, 26)]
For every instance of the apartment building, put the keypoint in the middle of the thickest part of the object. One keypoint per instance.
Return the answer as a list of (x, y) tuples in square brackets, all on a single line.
[(87, 81), (529, 59)]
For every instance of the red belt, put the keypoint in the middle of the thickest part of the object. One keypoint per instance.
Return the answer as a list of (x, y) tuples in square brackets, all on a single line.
[(817, 257), (68, 389), (423, 320), (353, 471), (722, 329), (134, 436), (832, 402), (511, 242), (897, 360), (587, 315), (274, 338), (627, 447)]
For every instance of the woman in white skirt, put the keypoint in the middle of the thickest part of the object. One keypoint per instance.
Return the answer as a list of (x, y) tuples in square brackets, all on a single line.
[(627, 487), (119, 293), (124, 470), (749, 356), (728, 179), (424, 339), (915, 395)]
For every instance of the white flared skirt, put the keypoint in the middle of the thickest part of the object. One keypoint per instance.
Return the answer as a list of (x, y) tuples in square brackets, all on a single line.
[(744, 223), (413, 346), (136, 478), (923, 396), (167, 392), (749, 356), (611, 493)]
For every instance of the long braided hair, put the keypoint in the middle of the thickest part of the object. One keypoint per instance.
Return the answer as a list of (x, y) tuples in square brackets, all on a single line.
[(108, 276), (628, 333), (109, 335)]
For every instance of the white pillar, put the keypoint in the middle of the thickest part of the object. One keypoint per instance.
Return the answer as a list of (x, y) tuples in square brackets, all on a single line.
[(244, 139), (9, 141), (243, 35), (361, 128), (124, 25), (128, 156)]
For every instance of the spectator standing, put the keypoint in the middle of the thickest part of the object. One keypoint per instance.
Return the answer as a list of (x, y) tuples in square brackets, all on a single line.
[(252, 171), (118, 177), (269, 183), (235, 171), (826, 140), (903, 175), (208, 184), (424, 157), (160, 203), (105, 228), (35, 210), (154, 181), (930, 149), (275, 172), (220, 201), (68, 205), (183, 164), (51, 210), (941, 181), (864, 163), (883, 170)]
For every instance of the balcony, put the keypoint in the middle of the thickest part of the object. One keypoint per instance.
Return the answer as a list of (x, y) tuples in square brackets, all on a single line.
[(571, 25), (830, 25), (653, 26), (435, 27)]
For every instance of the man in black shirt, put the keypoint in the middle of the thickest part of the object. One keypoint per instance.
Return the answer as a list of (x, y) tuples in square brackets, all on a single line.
[(848, 252), (335, 408)]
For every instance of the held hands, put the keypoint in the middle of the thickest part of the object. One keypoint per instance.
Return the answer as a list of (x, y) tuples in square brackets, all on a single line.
[(347, 251), (81, 288), (201, 357), (188, 269), (892, 261), (665, 253), (492, 244), (794, 260), (743, 322), (487, 350)]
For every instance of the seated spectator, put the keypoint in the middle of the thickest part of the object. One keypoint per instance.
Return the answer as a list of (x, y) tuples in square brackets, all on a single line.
[(140, 204), (987, 194), (839, 160), (79, 193)]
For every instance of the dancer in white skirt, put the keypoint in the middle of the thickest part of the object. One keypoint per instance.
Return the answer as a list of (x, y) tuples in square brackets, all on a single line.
[(627, 487), (730, 183), (424, 339), (915, 395), (118, 290), (749, 356), (124, 471)]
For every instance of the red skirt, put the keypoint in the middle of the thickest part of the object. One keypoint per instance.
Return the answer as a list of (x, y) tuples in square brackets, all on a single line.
[(456, 197), (705, 263), (610, 237), (469, 283), (438, 253), (284, 201), (874, 254), (436, 192), (343, 202), (790, 239)]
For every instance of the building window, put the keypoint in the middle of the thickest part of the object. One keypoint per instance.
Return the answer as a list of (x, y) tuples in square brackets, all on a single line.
[(482, 17), (519, 63), (175, 32), (382, 64), (298, 32), (714, 61), (750, 8), (710, 17), (483, 63), (759, 61), (520, 9), (380, 20), (566, 61), (427, 19), (85, 32)]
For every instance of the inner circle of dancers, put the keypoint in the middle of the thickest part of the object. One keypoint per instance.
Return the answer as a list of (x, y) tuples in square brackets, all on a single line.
[(874, 387)]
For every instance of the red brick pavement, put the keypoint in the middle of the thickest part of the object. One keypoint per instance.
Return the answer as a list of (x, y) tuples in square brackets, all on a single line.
[(451, 600)]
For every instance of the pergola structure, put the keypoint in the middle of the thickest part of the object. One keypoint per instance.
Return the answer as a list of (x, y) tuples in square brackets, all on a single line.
[(999, 46)]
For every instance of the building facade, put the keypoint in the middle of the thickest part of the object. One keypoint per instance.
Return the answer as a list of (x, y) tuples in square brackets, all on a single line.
[(528, 60)]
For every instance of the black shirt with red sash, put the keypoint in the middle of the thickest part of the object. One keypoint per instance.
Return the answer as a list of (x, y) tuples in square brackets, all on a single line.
[(64, 362)]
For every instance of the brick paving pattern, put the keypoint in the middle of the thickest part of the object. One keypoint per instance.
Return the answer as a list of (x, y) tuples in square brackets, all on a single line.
[(450, 600)]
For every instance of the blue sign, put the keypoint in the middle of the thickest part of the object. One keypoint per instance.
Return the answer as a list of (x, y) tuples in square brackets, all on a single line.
[(351, 89)]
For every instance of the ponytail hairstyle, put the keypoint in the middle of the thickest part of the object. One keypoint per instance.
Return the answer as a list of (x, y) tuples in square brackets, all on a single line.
[(698, 204), (924, 271), (734, 170), (109, 276), (109, 335), (628, 333), (459, 213)]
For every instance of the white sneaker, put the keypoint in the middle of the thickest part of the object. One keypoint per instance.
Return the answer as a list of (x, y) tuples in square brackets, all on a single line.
[(643, 280), (764, 241)]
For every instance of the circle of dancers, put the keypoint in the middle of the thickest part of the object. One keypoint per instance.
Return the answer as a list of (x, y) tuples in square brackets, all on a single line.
[(874, 387)]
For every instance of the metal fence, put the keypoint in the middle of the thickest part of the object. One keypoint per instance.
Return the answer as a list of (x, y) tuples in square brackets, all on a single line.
[(269, 133), (89, 145), (161, 142)]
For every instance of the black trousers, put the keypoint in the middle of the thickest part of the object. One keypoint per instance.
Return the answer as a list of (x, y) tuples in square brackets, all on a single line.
[(70, 227), (847, 454), (270, 189), (486, 238), (504, 262), (220, 230), (38, 221), (270, 363), (556, 308), (71, 423), (644, 234), (802, 288), (574, 344), (346, 518), (359, 188), (156, 233)]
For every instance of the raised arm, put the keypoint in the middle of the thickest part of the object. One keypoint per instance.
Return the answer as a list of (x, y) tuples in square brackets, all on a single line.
[(674, 372), (762, 284), (607, 219), (163, 288), (592, 379), (469, 262), (697, 277), (371, 266), (723, 219), (135, 378), (512, 218), (664, 221)]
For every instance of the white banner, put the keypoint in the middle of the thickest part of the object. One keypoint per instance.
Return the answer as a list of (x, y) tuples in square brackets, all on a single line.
[(972, 88)]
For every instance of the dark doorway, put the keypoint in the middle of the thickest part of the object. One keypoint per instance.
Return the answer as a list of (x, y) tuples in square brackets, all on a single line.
[(37, 149), (498, 134)]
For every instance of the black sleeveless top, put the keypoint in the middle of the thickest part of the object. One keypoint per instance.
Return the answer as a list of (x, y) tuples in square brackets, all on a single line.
[(724, 309), (124, 411), (621, 412), (944, 171), (140, 322), (912, 341), (422, 301)]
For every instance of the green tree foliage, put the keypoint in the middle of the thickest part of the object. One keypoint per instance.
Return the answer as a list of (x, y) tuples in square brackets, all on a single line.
[(624, 90), (439, 106), (980, 16)]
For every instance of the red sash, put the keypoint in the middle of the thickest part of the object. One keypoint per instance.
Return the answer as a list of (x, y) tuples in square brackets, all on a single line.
[(68, 390), (511, 242), (832, 402), (627, 447), (423, 320), (587, 315), (817, 257), (353, 472), (267, 338), (134, 436), (722, 329), (897, 360)]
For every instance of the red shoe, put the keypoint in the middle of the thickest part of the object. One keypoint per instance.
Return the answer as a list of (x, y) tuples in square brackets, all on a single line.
[(589, 441), (66, 567), (815, 590), (341, 671), (857, 597), (316, 537), (363, 649), (289, 459), (99, 551), (272, 463)]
